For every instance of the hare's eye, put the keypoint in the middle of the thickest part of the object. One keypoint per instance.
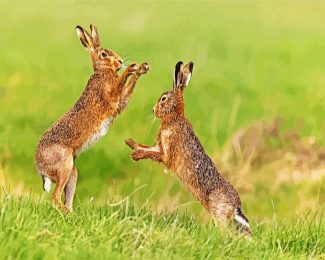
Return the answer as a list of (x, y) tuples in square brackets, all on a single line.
[(163, 98), (104, 54)]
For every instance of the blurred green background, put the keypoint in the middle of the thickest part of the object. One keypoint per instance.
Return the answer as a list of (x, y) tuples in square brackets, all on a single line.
[(256, 98)]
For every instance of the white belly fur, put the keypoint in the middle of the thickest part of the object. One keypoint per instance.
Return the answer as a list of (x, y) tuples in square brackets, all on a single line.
[(98, 134), (165, 134)]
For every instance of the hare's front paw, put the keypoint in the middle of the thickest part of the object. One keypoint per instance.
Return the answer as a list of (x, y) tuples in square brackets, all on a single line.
[(131, 144), (132, 68), (144, 68), (137, 155)]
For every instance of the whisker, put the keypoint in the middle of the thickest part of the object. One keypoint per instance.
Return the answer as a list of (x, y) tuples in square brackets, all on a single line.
[(146, 113), (153, 121), (148, 119), (126, 58)]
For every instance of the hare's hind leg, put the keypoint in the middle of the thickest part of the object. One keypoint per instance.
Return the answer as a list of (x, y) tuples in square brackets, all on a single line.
[(220, 207), (62, 179), (226, 212), (56, 163), (70, 188), (62, 165)]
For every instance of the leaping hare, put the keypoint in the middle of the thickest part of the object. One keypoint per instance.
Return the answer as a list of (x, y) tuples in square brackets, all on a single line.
[(104, 97), (180, 150)]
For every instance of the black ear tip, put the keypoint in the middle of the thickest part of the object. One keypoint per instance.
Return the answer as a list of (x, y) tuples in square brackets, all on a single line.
[(191, 65), (78, 27), (178, 65)]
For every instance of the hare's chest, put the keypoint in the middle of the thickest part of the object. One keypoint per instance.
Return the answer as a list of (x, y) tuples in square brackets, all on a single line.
[(101, 130), (166, 141)]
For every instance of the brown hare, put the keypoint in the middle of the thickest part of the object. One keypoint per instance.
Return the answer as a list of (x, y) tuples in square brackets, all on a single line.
[(104, 97), (180, 150)]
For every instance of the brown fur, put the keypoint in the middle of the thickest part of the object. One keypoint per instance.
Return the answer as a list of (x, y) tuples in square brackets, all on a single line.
[(105, 96), (179, 149)]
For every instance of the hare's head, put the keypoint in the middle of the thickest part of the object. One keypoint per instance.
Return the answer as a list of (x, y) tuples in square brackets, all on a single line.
[(172, 101), (102, 58)]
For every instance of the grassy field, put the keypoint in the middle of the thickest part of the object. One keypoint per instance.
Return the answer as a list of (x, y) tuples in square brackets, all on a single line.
[(36, 230), (256, 101)]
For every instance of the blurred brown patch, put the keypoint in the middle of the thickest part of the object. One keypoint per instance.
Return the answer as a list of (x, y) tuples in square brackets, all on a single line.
[(271, 147)]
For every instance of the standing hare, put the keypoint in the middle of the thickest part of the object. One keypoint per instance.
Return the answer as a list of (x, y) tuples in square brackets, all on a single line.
[(105, 96), (179, 149)]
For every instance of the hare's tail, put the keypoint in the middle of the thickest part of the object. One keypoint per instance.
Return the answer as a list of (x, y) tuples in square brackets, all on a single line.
[(241, 221), (46, 183)]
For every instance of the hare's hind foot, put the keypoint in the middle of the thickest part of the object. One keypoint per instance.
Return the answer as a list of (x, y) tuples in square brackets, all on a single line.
[(70, 189), (222, 209), (229, 215), (57, 203), (61, 207)]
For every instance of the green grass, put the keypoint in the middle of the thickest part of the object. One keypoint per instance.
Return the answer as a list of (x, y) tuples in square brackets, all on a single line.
[(32, 229)]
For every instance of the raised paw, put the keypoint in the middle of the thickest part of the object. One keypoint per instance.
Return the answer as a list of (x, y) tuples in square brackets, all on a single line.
[(131, 144), (132, 68), (144, 68), (137, 155)]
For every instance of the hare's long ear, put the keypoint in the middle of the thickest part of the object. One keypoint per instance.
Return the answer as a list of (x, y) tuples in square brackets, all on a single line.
[(94, 35), (178, 74), (182, 75), (85, 38), (187, 74)]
